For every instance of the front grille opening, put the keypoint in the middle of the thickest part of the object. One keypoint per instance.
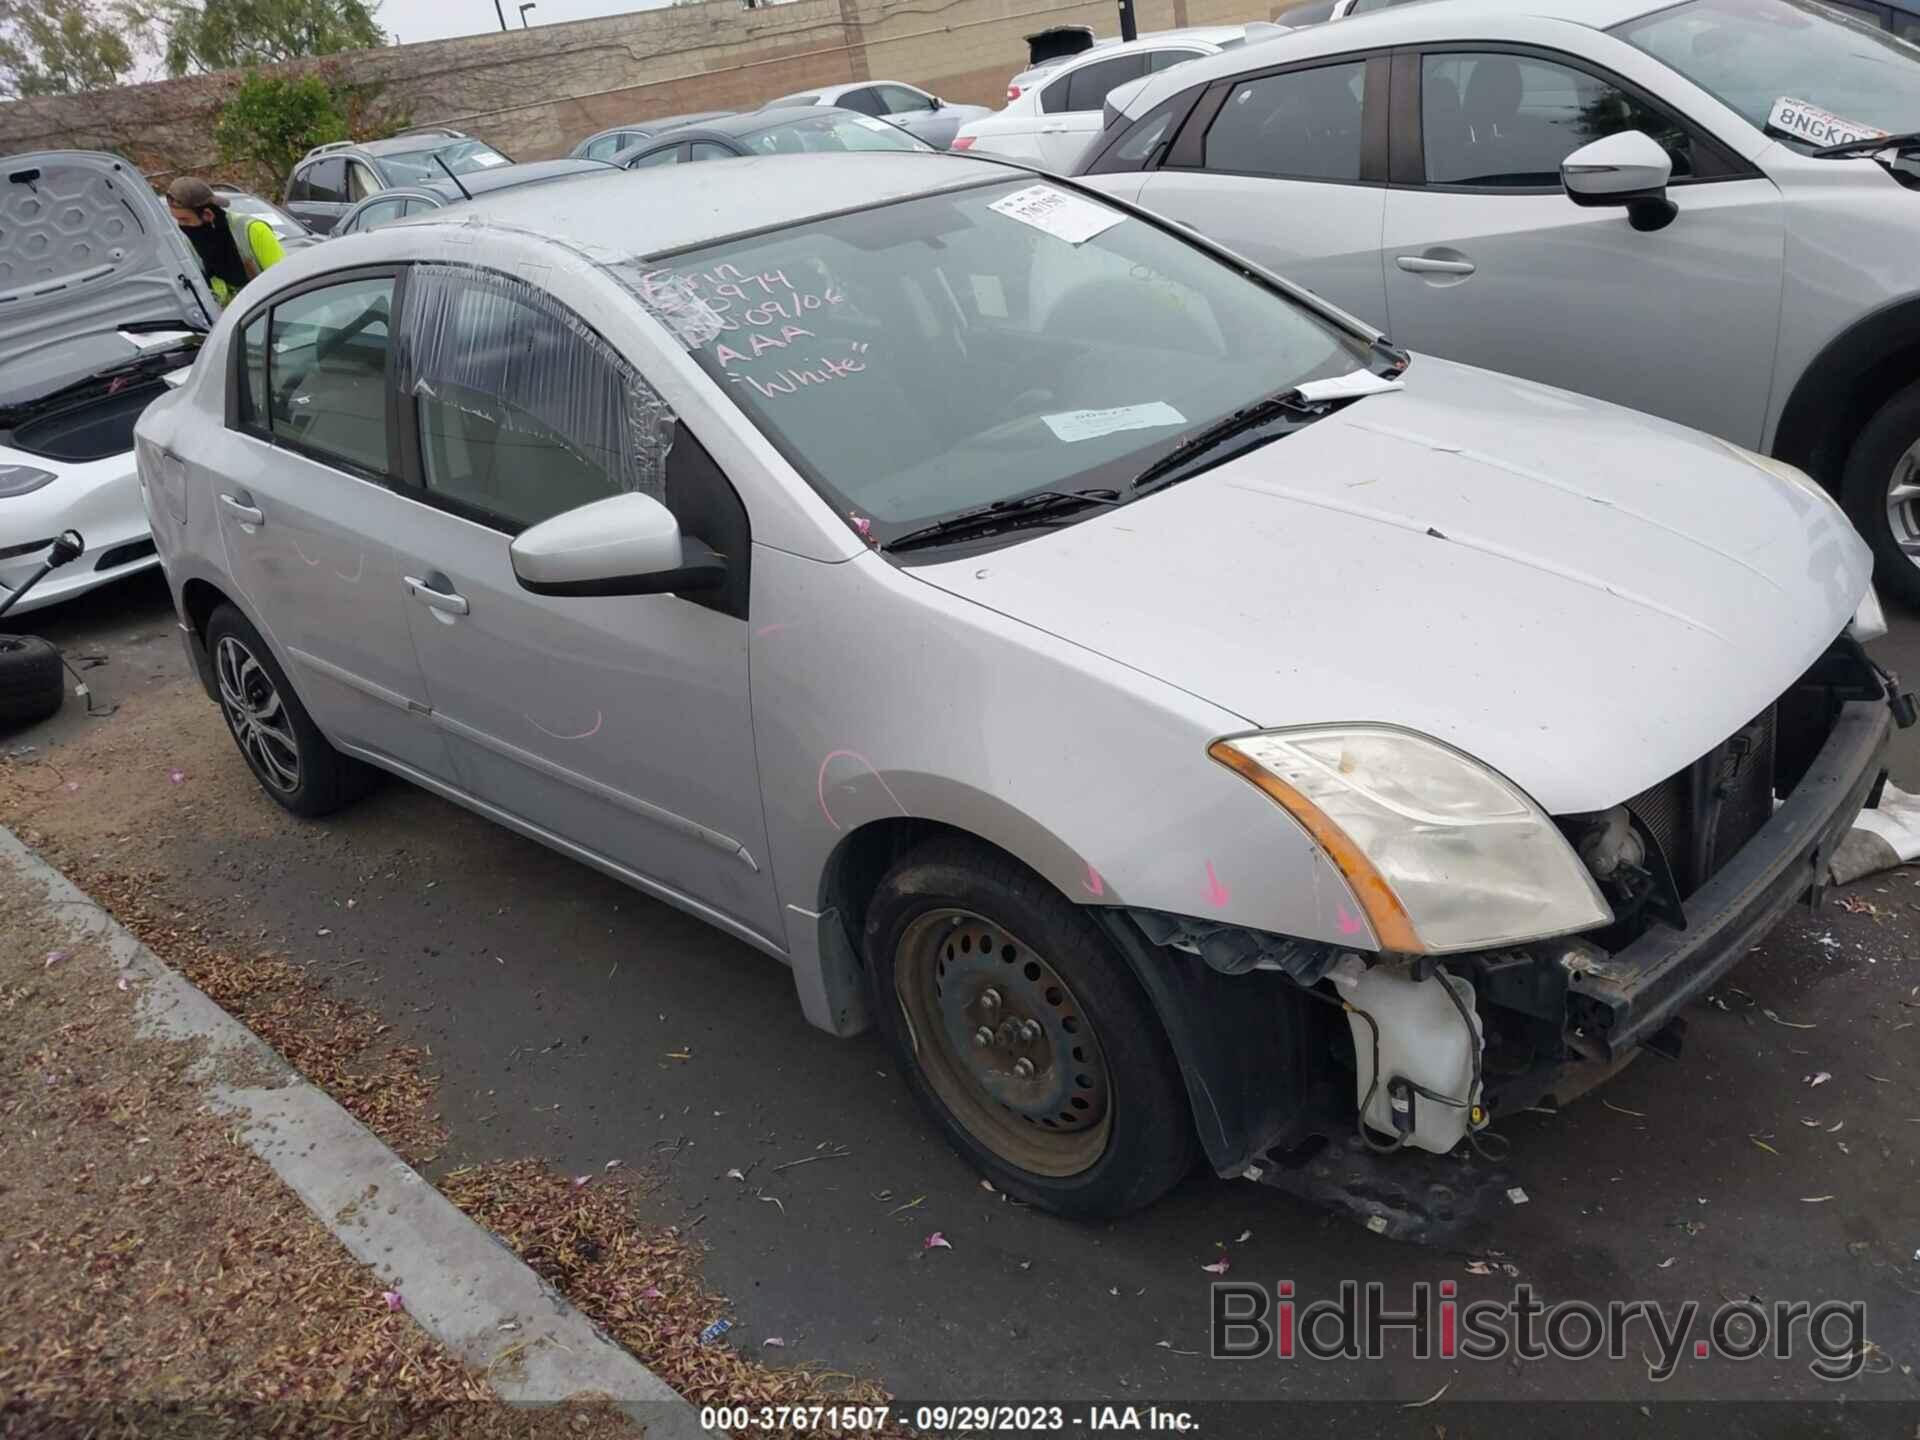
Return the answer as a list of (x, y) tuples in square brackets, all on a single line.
[(124, 554), (1703, 815)]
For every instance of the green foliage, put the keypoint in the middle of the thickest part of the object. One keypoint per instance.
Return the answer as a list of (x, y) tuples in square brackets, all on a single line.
[(61, 47), (272, 120), (205, 35)]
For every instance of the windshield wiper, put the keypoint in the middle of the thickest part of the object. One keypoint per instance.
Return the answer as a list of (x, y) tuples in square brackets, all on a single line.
[(113, 378), (1039, 507), (1869, 144), (1252, 417)]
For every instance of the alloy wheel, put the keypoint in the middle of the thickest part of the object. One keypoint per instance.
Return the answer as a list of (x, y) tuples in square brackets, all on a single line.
[(1903, 503), (257, 715), (1004, 1043)]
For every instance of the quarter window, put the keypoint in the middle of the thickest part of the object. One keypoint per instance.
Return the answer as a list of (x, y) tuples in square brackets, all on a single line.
[(327, 368), (1507, 121), (864, 102), (360, 181), (1166, 59), (253, 373), (522, 411), (899, 100), (1303, 125)]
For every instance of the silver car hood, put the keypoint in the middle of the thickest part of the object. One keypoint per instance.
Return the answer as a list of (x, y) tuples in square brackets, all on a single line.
[(86, 246), (1583, 597)]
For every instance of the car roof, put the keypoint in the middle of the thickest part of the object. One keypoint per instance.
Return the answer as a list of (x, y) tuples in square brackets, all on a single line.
[(677, 207), (729, 127), (829, 93), (660, 122), (1395, 25), (416, 140), (1153, 39)]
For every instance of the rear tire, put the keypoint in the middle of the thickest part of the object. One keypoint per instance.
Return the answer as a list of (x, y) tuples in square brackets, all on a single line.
[(1880, 489), (279, 741), (1075, 1104), (31, 684)]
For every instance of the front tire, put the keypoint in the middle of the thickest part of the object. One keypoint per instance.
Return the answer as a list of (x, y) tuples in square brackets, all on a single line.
[(1023, 1035), (1880, 489), (277, 738)]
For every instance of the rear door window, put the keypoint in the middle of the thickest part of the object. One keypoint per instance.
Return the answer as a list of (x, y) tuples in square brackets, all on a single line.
[(327, 372), (1302, 125), (864, 102), (899, 100), (707, 150), (327, 182), (1087, 87), (383, 212), (666, 155)]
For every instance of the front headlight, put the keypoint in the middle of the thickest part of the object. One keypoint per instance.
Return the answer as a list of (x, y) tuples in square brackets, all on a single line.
[(1444, 854), (23, 480)]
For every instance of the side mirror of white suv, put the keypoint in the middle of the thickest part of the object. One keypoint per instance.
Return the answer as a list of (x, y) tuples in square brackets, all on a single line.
[(1629, 169)]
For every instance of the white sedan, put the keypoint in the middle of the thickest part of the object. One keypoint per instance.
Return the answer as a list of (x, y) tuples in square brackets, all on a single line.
[(1049, 121), (113, 312)]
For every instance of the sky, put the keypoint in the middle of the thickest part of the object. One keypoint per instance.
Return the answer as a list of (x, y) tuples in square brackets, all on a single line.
[(416, 20)]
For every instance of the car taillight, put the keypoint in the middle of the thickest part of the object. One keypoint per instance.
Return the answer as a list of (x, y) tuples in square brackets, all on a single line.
[(1013, 92), (962, 142)]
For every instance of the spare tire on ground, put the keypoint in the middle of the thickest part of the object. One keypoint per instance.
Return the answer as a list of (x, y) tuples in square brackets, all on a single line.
[(31, 686)]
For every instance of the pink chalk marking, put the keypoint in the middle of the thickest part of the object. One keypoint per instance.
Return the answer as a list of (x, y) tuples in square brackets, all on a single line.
[(1217, 894), (766, 630), (1349, 922), (1093, 884), (598, 719), (861, 523), (820, 784)]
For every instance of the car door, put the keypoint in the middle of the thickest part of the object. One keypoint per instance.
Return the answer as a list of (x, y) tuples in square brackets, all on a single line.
[(306, 520), (1487, 261), (1288, 167), (373, 216), (665, 155), (919, 114), (619, 726)]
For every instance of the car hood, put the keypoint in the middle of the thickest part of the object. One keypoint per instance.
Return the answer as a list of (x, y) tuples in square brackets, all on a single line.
[(86, 246), (1583, 597)]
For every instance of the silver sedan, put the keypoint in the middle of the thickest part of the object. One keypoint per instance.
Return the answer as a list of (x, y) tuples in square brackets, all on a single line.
[(1184, 723)]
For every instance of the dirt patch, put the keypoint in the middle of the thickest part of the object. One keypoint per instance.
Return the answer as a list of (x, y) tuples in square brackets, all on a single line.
[(155, 1276)]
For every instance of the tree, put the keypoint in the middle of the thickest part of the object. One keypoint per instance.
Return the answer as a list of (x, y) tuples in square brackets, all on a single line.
[(202, 35), (60, 47), (272, 120)]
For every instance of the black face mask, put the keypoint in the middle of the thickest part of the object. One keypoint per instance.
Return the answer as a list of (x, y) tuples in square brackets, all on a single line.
[(212, 241)]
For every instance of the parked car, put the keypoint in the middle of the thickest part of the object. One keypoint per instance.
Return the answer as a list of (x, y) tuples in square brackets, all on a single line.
[(403, 200), (911, 108), (107, 302), (331, 179), (291, 234), (1319, 12), (1636, 203), (606, 144), (1902, 17), (1063, 645), (1051, 117), (796, 131)]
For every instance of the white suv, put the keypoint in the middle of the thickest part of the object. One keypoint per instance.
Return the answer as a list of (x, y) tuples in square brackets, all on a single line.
[(1698, 210)]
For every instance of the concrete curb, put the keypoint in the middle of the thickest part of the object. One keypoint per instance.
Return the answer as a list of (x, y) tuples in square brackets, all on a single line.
[(460, 1284)]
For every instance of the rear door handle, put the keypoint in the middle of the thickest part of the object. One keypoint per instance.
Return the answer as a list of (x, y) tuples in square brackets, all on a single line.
[(438, 599), (242, 511), (1426, 265)]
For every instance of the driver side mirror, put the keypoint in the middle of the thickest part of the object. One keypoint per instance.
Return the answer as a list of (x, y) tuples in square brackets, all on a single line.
[(623, 545), (1629, 169)]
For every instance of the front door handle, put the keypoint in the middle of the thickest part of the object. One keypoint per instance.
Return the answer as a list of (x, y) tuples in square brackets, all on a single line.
[(245, 513), (1428, 265), (438, 599)]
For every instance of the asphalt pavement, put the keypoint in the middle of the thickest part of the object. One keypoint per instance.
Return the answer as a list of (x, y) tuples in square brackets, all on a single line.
[(581, 1023)]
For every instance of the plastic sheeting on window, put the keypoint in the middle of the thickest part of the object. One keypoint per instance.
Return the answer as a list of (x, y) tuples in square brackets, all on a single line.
[(525, 412)]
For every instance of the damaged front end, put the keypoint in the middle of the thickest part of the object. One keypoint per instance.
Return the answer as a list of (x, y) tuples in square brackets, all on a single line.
[(1377, 1102)]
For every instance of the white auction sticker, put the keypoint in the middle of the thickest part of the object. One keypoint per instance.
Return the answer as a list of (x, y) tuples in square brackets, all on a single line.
[(1816, 126), (1061, 215), (489, 160), (1075, 425)]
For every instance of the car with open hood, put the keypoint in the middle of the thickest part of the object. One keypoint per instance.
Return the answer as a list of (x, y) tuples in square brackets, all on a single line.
[(1183, 722), (104, 304)]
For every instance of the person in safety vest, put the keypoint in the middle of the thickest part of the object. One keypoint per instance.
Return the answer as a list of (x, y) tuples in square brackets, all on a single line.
[(233, 248)]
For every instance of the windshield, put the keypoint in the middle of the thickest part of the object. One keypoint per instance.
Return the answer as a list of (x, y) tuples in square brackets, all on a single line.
[(463, 157), (930, 356), (1795, 68), (831, 130)]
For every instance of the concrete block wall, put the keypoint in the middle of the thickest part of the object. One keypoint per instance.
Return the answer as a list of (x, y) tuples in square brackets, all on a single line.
[(534, 93)]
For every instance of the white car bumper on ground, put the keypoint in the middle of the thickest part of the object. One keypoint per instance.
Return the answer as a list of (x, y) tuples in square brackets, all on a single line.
[(100, 499)]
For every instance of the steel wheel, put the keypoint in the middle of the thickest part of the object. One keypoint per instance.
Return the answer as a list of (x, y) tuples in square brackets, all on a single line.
[(1903, 503), (257, 715), (1004, 1043)]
